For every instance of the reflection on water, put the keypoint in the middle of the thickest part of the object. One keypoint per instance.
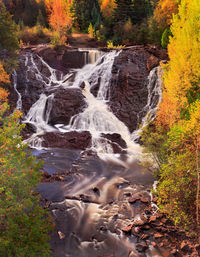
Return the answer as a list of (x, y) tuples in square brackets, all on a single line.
[(90, 205)]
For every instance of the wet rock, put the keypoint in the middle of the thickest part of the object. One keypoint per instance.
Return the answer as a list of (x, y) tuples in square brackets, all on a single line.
[(158, 235), (116, 138), (96, 191), (85, 198), (152, 62), (144, 200), (152, 219), (133, 199), (61, 235), (135, 230), (128, 90), (197, 247), (146, 227), (139, 222), (127, 229), (154, 244), (28, 130), (65, 104), (185, 247), (141, 247), (144, 236), (71, 140)]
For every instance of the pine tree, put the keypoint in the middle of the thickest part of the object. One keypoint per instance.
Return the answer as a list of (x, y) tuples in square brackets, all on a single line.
[(8, 37), (86, 12), (123, 11)]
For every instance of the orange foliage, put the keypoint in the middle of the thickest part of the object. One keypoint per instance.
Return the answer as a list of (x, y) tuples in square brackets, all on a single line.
[(60, 18), (4, 80), (167, 112), (107, 7), (164, 12)]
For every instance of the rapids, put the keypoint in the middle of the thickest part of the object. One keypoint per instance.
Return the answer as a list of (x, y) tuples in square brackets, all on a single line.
[(90, 201)]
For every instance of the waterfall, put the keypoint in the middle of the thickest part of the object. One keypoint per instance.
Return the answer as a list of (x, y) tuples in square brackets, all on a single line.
[(97, 118), (90, 55), (154, 98), (19, 100), (38, 116)]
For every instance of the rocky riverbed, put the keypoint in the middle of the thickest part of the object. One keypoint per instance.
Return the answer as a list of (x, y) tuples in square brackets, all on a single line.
[(82, 109)]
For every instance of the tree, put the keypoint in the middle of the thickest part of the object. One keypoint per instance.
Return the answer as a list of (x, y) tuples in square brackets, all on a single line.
[(60, 18), (86, 12), (123, 11), (8, 37), (22, 219), (107, 8), (182, 73), (4, 81), (179, 119), (141, 9), (179, 185), (164, 11)]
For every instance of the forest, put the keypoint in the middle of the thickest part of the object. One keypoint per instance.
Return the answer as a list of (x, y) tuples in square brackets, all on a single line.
[(172, 139)]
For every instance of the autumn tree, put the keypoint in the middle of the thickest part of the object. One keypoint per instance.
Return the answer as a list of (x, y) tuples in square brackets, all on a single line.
[(182, 73), (164, 11), (60, 18), (107, 8), (178, 120)]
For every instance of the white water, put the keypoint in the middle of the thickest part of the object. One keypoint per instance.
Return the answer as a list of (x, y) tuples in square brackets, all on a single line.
[(19, 100), (38, 116), (97, 118)]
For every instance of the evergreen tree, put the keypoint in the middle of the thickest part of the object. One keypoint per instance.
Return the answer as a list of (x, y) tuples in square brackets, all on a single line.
[(86, 12), (123, 11), (141, 9), (8, 37)]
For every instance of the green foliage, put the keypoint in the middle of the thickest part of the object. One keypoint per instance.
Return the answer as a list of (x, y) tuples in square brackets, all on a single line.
[(165, 37), (123, 11), (178, 120), (8, 37), (86, 12), (28, 11), (155, 143), (24, 224)]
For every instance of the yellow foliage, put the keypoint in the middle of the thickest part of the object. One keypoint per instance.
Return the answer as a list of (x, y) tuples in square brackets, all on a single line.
[(183, 70)]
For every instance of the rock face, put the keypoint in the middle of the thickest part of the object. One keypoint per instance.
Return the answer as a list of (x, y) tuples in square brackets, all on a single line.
[(71, 140), (128, 88), (128, 93), (66, 103)]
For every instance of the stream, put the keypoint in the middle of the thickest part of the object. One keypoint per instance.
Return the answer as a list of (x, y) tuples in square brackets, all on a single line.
[(90, 199)]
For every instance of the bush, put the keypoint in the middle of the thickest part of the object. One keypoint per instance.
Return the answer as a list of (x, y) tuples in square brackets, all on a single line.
[(34, 35), (24, 224)]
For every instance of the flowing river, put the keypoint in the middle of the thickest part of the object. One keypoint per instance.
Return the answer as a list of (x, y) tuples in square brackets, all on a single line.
[(90, 200)]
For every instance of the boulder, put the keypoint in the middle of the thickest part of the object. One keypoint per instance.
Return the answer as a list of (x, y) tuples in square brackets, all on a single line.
[(128, 90), (65, 104), (71, 140)]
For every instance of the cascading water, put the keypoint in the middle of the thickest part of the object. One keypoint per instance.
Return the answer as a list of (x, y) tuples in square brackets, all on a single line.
[(19, 100), (90, 205)]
